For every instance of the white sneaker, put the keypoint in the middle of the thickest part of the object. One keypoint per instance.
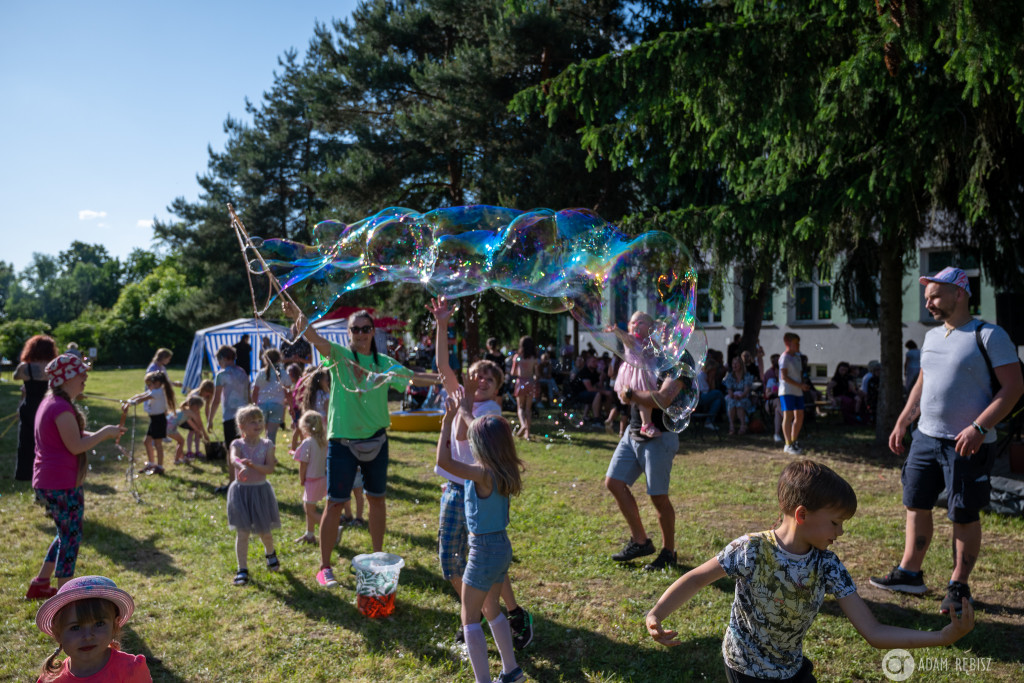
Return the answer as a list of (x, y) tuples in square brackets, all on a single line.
[(788, 450), (778, 439), (711, 426)]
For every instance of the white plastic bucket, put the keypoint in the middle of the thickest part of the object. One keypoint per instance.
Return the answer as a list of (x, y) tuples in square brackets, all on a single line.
[(376, 583)]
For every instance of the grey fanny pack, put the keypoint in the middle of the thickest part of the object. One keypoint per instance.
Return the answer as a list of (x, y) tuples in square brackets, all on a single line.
[(365, 450)]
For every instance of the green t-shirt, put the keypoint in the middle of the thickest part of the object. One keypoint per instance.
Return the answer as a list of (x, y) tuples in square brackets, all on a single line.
[(354, 414)]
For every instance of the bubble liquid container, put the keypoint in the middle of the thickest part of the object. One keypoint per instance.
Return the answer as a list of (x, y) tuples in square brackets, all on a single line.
[(376, 583)]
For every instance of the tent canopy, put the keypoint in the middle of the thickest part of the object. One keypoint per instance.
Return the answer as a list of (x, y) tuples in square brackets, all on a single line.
[(207, 341)]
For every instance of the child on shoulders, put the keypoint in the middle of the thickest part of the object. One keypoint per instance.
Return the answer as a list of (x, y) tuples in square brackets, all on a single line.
[(782, 576)]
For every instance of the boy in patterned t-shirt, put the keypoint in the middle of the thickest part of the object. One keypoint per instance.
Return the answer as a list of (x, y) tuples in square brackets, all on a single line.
[(782, 577)]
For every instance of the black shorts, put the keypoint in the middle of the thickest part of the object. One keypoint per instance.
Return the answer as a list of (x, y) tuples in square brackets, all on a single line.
[(157, 426)]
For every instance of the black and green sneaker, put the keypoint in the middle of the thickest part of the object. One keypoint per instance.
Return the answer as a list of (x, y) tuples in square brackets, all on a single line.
[(521, 623)]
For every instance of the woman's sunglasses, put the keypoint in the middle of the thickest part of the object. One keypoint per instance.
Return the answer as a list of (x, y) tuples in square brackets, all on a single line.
[(362, 329)]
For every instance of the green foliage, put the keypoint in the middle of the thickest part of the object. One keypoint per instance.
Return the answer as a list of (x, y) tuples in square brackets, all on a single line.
[(14, 334)]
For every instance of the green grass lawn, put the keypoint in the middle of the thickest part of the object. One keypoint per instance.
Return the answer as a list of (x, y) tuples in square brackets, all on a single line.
[(174, 553)]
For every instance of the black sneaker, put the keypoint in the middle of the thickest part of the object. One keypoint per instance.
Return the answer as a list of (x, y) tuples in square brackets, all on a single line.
[(521, 623), (954, 595), (901, 581), (633, 550), (666, 559)]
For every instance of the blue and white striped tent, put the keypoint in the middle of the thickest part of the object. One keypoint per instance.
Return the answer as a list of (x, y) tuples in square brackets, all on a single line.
[(207, 341)]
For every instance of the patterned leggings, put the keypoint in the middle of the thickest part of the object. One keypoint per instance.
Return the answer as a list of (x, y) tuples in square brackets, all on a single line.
[(65, 507)]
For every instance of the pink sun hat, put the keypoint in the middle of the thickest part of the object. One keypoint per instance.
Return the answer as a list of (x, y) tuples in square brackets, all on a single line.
[(64, 367), (82, 588), (949, 276)]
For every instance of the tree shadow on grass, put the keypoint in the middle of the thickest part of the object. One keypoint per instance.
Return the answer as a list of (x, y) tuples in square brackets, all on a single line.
[(1000, 641), (413, 490), (139, 555)]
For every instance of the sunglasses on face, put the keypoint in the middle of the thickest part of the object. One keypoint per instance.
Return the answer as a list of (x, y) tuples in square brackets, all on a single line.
[(362, 329)]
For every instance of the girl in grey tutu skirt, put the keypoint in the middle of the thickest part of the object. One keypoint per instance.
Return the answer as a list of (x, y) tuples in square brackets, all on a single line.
[(252, 505)]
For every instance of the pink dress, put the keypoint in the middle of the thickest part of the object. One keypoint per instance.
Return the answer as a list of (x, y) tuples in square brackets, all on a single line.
[(121, 667), (634, 373)]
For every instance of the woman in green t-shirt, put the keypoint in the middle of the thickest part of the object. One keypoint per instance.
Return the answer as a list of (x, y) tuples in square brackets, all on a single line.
[(357, 422)]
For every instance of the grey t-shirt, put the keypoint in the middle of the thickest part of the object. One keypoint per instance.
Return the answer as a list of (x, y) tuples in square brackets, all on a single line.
[(790, 362), (956, 387)]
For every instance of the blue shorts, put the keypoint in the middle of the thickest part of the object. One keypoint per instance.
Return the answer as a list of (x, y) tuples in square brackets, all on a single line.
[(273, 413), (490, 556), (342, 467), (652, 458), (933, 464), (452, 533), (791, 403)]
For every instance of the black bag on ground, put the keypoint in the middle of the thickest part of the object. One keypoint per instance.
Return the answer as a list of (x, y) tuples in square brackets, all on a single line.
[(215, 450)]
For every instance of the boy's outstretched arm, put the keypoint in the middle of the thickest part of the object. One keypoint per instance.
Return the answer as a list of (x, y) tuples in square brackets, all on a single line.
[(882, 636), (677, 595), (442, 313)]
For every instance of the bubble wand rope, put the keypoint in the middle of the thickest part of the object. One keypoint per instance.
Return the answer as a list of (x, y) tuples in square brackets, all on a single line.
[(245, 242), (11, 420), (130, 473)]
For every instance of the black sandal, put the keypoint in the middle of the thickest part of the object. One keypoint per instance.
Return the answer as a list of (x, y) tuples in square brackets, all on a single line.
[(242, 577), (273, 564)]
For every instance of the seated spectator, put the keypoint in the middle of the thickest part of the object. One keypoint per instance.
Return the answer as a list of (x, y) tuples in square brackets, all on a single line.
[(545, 376), (738, 385), (869, 390), (710, 402), (587, 389), (842, 393), (754, 368)]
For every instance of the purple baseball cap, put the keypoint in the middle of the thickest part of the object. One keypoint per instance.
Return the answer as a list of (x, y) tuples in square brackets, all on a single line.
[(949, 276)]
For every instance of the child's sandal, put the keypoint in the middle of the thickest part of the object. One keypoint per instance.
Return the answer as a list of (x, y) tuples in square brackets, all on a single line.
[(242, 577), (273, 564)]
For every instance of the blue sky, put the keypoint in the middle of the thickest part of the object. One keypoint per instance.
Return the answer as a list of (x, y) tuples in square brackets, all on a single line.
[(108, 108)]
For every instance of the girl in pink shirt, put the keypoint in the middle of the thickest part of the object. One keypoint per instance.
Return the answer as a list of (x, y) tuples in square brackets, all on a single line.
[(60, 466), (85, 617)]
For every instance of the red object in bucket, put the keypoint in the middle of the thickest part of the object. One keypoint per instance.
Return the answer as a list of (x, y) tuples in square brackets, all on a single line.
[(376, 607)]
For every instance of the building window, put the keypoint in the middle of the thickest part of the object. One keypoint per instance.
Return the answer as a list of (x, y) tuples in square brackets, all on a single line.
[(934, 260), (706, 313), (812, 302)]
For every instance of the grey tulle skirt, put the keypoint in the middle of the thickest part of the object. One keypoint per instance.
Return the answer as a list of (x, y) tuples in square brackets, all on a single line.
[(253, 508)]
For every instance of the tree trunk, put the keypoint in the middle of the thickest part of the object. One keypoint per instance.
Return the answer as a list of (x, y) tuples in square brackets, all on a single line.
[(890, 332), (753, 312)]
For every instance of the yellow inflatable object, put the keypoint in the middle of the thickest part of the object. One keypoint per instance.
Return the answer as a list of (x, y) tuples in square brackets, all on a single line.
[(416, 420)]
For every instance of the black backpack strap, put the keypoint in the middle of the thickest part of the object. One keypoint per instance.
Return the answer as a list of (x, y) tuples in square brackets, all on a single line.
[(984, 354)]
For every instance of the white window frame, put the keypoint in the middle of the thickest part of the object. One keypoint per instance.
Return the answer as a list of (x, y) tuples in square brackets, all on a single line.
[(815, 284), (713, 319)]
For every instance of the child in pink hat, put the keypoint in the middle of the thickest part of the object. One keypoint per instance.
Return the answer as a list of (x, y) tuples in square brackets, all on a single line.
[(85, 617)]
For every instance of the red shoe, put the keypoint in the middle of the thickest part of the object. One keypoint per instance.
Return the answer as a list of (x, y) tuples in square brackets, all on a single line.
[(40, 589)]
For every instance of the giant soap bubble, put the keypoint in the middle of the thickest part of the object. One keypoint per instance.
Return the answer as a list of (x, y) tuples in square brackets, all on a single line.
[(550, 261)]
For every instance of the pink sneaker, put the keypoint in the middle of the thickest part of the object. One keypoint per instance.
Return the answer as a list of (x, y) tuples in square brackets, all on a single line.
[(650, 431), (40, 589), (325, 577)]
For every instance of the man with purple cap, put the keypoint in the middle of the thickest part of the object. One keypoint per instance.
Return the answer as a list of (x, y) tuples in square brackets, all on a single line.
[(951, 447)]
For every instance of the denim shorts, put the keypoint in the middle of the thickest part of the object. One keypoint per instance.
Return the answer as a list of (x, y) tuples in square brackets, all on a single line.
[(452, 534), (490, 556), (791, 403), (342, 467), (933, 464), (652, 458), (273, 413)]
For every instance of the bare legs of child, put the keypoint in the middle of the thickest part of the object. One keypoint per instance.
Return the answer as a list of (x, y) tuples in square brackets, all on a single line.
[(179, 450), (154, 464), (475, 601), (346, 508), (242, 555), (312, 517)]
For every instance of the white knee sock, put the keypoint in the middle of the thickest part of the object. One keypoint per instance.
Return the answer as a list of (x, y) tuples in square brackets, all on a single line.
[(502, 633), (476, 643)]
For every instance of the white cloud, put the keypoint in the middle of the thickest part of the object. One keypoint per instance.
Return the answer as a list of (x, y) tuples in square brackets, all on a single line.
[(144, 223), (87, 215)]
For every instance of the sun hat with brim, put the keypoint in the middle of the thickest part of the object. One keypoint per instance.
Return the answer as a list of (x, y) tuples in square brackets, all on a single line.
[(64, 367), (949, 276), (82, 588)]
